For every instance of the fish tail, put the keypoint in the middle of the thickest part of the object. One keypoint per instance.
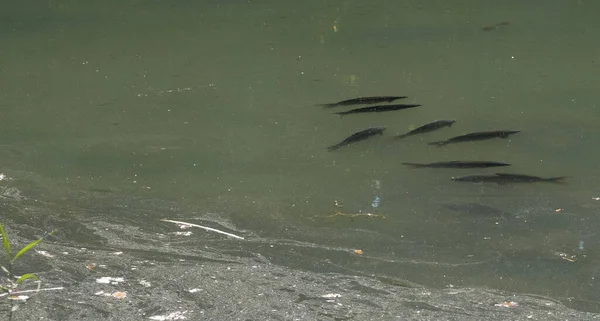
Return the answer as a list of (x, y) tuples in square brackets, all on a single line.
[(414, 165), (556, 180), (439, 144), (326, 105), (333, 147)]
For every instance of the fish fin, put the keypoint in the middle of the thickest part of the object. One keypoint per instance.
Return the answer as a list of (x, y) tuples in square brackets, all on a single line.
[(342, 113), (413, 165)]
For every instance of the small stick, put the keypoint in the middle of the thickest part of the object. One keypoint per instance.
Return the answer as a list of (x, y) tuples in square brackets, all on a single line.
[(204, 227), (28, 291), (353, 215)]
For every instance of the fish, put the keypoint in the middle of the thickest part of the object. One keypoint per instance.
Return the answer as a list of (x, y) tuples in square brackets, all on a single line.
[(457, 164), (364, 101), (506, 178), (435, 125), (376, 109), (358, 136), (476, 136)]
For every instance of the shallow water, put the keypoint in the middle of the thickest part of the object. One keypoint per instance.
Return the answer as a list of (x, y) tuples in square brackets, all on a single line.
[(123, 114)]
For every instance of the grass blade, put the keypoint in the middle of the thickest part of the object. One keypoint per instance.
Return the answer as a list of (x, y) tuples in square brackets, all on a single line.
[(5, 242), (29, 246), (25, 249), (25, 277)]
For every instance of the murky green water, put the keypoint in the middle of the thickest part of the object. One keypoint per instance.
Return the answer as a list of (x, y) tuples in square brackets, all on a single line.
[(209, 108)]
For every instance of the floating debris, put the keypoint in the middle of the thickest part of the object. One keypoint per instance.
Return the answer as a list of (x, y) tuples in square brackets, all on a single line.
[(564, 256), (187, 233), (44, 253), (110, 280), (507, 304), (203, 227), (32, 291), (355, 215), (172, 316), (117, 294)]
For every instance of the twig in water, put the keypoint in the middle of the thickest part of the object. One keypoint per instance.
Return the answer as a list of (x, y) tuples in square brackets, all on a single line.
[(354, 215), (204, 227), (29, 291)]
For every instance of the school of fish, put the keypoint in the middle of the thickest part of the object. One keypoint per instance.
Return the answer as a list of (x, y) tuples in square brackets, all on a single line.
[(381, 106)]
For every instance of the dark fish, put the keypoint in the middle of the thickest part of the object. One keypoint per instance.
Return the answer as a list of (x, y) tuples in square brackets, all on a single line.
[(476, 136), (504, 178), (457, 164), (377, 109), (356, 137), (364, 100), (474, 209), (428, 127)]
